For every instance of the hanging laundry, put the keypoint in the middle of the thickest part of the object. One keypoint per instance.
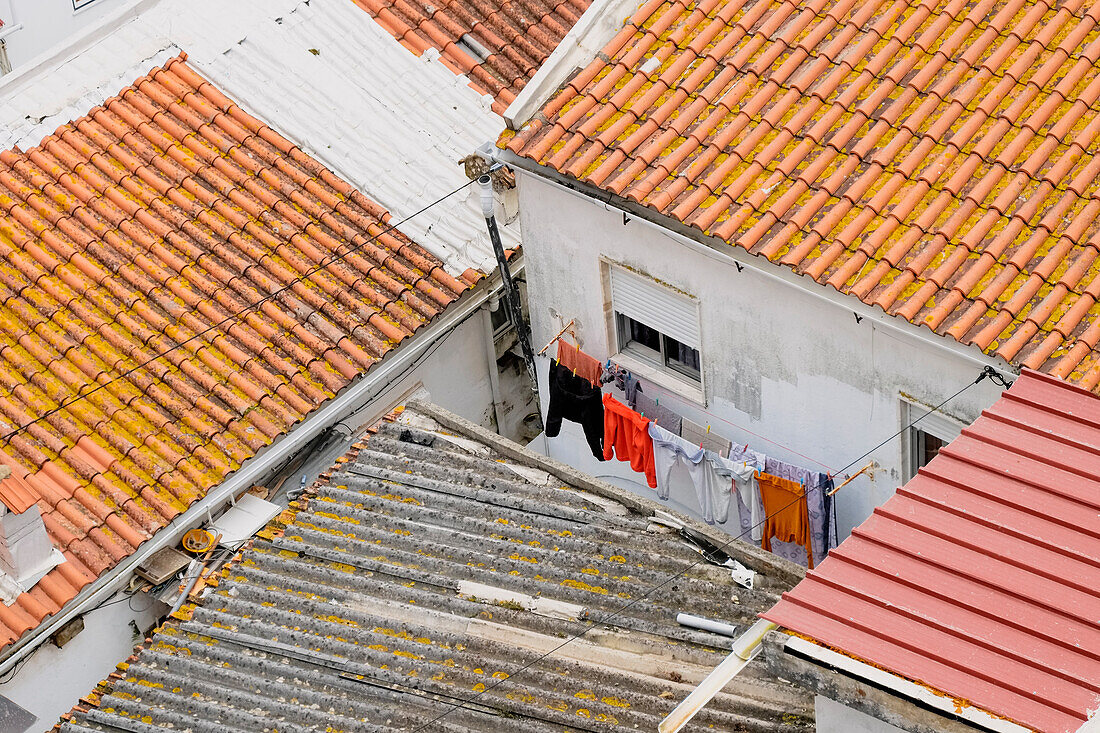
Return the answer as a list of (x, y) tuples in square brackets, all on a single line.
[(815, 483), (580, 363), (573, 398), (663, 416), (695, 433), (670, 449), (624, 381), (724, 476), (787, 518), (626, 433), (829, 526)]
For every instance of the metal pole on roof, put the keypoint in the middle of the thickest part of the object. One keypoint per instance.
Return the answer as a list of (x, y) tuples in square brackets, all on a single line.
[(511, 293), (744, 650)]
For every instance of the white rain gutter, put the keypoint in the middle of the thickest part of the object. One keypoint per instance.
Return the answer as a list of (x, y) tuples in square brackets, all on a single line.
[(900, 686), (729, 254), (354, 396), (744, 651)]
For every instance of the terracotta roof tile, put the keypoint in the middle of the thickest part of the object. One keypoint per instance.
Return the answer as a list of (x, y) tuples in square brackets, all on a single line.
[(935, 158), (514, 36), (147, 226)]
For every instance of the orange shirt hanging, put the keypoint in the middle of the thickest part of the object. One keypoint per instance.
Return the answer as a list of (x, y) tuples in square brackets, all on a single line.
[(788, 517), (579, 363), (627, 433)]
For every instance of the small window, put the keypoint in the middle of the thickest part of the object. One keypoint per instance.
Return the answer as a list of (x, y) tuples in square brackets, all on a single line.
[(656, 325), (925, 438)]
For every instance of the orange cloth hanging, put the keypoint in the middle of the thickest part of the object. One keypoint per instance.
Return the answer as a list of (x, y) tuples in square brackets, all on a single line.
[(580, 363), (787, 515), (627, 433)]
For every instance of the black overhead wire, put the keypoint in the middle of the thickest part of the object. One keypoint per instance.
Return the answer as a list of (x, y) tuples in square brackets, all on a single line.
[(987, 372), (338, 257)]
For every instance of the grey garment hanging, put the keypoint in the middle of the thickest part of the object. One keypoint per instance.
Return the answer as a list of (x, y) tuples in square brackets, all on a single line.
[(660, 414), (670, 449), (697, 434), (725, 476)]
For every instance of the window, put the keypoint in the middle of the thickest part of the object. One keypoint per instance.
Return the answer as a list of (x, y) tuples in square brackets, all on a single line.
[(656, 347), (656, 325), (925, 439), (78, 4)]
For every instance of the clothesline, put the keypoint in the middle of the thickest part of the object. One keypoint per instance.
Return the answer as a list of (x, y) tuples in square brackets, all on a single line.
[(666, 393), (683, 400)]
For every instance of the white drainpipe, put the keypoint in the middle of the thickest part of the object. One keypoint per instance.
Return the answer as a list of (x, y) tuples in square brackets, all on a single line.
[(352, 397), (744, 649), (491, 361)]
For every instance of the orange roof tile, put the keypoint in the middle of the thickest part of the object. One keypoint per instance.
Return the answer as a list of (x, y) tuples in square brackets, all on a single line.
[(160, 216), (515, 36), (937, 159)]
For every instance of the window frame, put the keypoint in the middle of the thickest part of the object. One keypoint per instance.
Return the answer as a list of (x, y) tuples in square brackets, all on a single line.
[(936, 425), (648, 363)]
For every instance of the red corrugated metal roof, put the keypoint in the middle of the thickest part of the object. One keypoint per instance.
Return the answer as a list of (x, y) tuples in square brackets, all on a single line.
[(981, 576)]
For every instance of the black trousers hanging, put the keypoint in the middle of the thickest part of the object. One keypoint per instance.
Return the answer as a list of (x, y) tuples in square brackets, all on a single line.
[(574, 398)]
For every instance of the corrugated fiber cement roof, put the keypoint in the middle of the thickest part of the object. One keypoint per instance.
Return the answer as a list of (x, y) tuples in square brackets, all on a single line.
[(425, 568)]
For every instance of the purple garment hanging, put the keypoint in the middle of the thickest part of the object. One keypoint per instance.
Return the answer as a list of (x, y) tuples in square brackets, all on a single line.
[(814, 482)]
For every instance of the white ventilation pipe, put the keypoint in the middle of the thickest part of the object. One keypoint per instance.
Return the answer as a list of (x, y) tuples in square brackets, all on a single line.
[(706, 624)]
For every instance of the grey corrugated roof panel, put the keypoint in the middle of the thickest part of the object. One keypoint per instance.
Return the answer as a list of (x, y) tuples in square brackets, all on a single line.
[(422, 572)]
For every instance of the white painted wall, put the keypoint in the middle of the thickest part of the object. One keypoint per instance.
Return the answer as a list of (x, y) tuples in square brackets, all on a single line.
[(52, 680), (833, 717), (455, 374), (778, 363), (32, 27)]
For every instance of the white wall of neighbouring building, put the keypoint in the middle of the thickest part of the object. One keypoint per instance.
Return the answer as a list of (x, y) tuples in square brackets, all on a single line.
[(834, 717), (32, 27), (779, 364), (53, 679)]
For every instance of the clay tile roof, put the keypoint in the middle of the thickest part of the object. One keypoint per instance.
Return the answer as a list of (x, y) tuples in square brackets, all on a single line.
[(936, 159), (153, 222), (498, 44), (418, 573), (979, 577), (17, 494)]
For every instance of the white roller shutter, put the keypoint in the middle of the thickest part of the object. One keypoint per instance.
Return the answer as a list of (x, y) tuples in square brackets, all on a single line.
[(657, 306)]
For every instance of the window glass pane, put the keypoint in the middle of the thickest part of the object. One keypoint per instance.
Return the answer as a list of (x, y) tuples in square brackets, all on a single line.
[(931, 447), (682, 357), (642, 334)]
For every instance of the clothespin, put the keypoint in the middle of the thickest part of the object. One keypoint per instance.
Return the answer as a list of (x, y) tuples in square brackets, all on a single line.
[(704, 436)]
